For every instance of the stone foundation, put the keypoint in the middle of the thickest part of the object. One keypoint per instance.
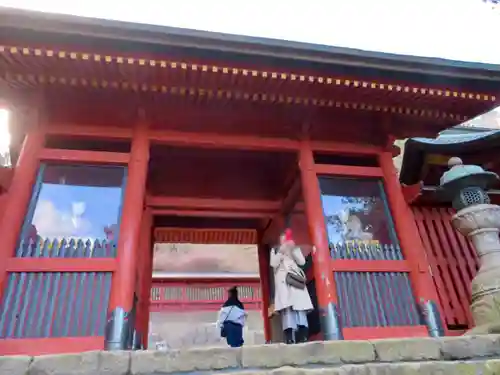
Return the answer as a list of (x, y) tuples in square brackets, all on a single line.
[(448, 356)]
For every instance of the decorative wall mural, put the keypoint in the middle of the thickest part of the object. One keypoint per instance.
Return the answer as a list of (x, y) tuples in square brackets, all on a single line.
[(196, 258)]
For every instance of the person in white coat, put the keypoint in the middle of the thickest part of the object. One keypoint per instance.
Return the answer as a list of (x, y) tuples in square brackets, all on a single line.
[(291, 297)]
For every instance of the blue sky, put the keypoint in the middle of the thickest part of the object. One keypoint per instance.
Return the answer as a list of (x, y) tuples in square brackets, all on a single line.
[(76, 211), (464, 30)]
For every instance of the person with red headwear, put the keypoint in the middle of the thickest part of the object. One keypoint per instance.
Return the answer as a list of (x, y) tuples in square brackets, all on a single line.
[(291, 297)]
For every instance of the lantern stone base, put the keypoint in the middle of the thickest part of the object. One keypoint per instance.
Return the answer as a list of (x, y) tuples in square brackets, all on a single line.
[(485, 306), (481, 224)]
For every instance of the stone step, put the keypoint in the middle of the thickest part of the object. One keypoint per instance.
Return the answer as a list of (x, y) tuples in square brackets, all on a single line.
[(467, 355), (254, 337), (202, 336)]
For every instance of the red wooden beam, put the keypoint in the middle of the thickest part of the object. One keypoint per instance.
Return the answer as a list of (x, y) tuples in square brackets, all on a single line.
[(176, 306), (224, 214), (124, 280), (6, 174), (370, 333), (60, 265), (59, 345), (347, 170), (345, 148), (3, 200), (324, 281), (20, 192), (276, 224), (273, 230), (210, 140), (206, 140), (293, 184), (89, 131), (245, 142), (264, 261), (164, 280), (144, 276), (85, 156), (212, 204), (205, 236), (292, 195), (411, 242)]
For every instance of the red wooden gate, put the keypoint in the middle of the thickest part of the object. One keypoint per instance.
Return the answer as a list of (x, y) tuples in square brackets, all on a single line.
[(57, 288), (453, 264)]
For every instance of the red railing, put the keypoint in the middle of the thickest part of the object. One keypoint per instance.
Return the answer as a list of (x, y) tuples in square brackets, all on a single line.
[(176, 295), (453, 263), (205, 236)]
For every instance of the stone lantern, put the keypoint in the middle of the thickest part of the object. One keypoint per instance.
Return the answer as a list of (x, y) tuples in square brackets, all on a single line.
[(479, 220)]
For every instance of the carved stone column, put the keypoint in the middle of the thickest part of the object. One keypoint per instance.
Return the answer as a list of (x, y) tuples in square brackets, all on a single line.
[(479, 220), (481, 224)]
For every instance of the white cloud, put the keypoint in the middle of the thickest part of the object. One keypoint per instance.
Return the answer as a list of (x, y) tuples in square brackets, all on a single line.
[(52, 223)]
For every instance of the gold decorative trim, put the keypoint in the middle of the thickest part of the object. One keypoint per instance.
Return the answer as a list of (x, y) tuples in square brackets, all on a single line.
[(437, 159), (282, 76), (230, 94)]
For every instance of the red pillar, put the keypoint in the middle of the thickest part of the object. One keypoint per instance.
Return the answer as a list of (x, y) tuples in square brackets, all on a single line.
[(3, 201), (264, 263), (141, 264), (322, 270), (119, 326), (412, 247), (19, 195), (146, 276), (147, 300)]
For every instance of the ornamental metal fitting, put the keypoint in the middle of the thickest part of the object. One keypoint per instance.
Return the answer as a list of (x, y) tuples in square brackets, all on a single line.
[(466, 185)]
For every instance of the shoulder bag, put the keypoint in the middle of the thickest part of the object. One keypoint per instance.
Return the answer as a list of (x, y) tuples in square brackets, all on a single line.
[(296, 279), (223, 332)]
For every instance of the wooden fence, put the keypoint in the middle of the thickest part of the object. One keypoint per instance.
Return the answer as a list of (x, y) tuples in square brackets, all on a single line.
[(56, 296), (375, 296), (453, 264)]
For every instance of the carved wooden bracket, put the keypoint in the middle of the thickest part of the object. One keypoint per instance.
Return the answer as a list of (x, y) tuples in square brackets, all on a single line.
[(412, 192)]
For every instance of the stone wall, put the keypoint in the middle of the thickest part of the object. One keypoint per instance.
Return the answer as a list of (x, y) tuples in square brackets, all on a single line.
[(448, 356)]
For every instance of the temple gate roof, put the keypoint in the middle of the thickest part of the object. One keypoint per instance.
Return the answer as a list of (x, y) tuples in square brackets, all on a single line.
[(99, 72), (425, 158)]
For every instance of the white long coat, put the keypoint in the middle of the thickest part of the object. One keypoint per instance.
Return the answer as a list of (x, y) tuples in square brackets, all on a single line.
[(284, 294)]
